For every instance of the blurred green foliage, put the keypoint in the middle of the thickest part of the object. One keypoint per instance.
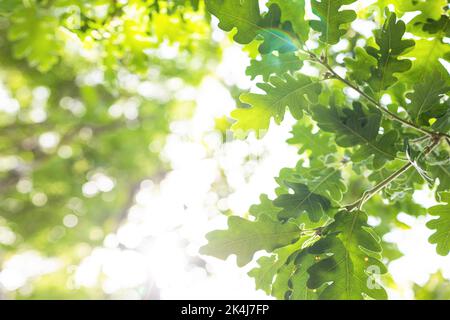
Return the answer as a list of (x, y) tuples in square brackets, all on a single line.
[(88, 90), (436, 288)]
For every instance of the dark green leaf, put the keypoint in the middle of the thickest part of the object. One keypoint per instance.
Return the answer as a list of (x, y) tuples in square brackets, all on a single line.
[(360, 68), (354, 258), (299, 279), (357, 127), (390, 47), (302, 200), (426, 97)]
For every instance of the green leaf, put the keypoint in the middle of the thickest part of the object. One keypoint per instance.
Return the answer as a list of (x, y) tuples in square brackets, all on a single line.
[(426, 97), (430, 51), (269, 266), (293, 11), (299, 279), (244, 237), (440, 171), (390, 47), (360, 68), (355, 254), (271, 64), (33, 32), (324, 181), (265, 207), (243, 15), (275, 34), (356, 127), (427, 54), (317, 144), (279, 286), (295, 92), (441, 236), (382, 150), (440, 26), (303, 200), (442, 123), (428, 9), (351, 126), (331, 19)]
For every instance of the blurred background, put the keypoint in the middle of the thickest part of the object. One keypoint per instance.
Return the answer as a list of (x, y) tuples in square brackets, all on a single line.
[(116, 158)]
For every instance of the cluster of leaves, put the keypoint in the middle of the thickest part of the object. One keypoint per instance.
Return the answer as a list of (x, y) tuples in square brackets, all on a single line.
[(373, 122), (120, 33), (377, 112), (87, 97)]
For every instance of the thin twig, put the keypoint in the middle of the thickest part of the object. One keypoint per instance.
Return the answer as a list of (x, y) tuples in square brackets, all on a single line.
[(420, 139)]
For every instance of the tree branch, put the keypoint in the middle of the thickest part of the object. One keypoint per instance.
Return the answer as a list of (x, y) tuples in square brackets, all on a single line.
[(324, 63), (381, 185)]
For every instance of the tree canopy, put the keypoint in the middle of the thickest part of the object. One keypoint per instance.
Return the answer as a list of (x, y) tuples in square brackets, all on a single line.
[(89, 90)]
